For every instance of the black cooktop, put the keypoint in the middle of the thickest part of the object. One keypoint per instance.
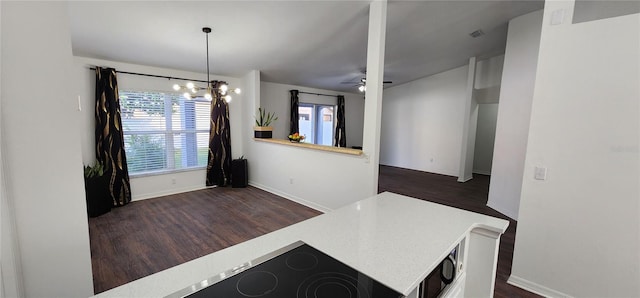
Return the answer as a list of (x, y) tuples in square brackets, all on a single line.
[(300, 272)]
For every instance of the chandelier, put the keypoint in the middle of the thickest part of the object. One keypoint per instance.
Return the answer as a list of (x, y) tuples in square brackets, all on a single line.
[(191, 90)]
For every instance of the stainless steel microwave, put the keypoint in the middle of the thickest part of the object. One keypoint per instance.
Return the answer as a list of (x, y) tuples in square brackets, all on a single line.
[(441, 277)]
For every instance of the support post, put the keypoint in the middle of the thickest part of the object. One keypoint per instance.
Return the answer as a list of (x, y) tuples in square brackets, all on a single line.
[(481, 259), (373, 96), (469, 127)]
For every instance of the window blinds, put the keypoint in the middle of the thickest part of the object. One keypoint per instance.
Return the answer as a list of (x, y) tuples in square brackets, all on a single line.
[(164, 131)]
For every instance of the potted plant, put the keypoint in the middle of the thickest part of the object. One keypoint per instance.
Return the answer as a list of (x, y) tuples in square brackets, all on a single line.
[(263, 121), (97, 192)]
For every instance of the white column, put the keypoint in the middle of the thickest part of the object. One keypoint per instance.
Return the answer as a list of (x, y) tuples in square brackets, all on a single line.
[(481, 262), (373, 96), (251, 101), (469, 127), (250, 85)]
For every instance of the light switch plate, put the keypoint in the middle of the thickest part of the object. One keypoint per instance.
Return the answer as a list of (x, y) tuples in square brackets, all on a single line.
[(557, 17), (540, 173)]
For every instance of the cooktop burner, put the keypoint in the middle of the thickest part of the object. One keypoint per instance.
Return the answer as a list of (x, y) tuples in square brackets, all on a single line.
[(296, 271), (332, 284), (257, 284), (302, 261)]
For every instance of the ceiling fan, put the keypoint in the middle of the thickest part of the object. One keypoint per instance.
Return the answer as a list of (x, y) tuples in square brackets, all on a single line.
[(362, 84)]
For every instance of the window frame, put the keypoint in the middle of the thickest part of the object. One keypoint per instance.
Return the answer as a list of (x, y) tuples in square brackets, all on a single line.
[(316, 109), (168, 132)]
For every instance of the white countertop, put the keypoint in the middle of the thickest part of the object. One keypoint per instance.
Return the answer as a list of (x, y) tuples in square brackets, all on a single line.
[(394, 239)]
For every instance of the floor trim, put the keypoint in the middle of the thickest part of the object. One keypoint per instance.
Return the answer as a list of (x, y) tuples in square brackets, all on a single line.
[(290, 197), (168, 192), (534, 287)]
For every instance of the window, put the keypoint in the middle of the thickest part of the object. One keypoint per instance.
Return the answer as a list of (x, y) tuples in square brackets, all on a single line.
[(164, 131), (316, 123)]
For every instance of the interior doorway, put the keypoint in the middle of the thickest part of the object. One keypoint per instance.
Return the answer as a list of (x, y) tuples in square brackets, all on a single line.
[(485, 138)]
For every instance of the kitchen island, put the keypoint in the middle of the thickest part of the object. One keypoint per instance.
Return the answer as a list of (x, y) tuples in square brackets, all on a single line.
[(394, 239)]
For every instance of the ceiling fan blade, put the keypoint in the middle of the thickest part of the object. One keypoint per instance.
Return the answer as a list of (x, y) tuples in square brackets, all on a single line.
[(364, 81)]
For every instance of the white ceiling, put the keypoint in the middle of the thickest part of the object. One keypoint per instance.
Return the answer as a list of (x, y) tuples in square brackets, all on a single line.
[(318, 44)]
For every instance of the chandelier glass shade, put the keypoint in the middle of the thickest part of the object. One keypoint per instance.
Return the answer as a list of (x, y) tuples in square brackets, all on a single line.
[(190, 90)]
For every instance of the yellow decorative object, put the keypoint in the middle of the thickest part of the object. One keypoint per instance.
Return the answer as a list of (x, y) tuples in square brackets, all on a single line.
[(296, 137)]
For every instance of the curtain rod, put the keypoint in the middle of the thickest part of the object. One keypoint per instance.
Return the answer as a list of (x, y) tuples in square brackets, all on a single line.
[(319, 94), (154, 76)]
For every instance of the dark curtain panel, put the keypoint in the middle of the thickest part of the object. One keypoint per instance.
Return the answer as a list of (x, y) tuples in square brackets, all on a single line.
[(295, 102), (340, 135), (219, 162), (109, 136)]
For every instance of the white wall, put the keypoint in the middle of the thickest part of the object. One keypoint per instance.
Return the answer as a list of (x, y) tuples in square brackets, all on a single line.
[(487, 94), (485, 138), (423, 120), (588, 10), (10, 268), (144, 187), (422, 123), (320, 179), (578, 231), (489, 73), (354, 118), (275, 97), (516, 94), (10, 272), (488, 80), (42, 156), (251, 97)]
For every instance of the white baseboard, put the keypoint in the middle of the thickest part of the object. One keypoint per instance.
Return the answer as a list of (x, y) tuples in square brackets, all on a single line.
[(465, 179), (287, 196), (167, 192), (511, 214), (482, 172), (424, 170), (291, 197), (534, 287)]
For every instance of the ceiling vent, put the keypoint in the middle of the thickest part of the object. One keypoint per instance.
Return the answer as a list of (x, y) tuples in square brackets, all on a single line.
[(477, 33)]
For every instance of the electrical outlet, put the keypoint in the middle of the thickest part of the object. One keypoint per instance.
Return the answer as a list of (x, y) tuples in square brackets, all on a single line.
[(290, 180), (173, 180)]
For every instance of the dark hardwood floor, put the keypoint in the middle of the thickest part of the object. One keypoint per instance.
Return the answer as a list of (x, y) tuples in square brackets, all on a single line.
[(471, 195), (145, 237), (149, 236)]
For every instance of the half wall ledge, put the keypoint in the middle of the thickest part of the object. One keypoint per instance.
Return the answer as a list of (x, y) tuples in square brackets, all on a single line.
[(312, 146)]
